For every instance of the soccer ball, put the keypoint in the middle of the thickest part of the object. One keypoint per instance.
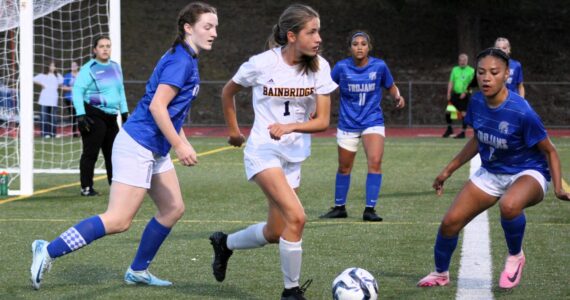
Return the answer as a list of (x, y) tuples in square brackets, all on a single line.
[(353, 284)]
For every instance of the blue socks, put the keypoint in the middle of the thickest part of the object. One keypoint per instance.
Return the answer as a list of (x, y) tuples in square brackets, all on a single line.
[(373, 183), (76, 237), (514, 233), (443, 250), (153, 236), (342, 185)]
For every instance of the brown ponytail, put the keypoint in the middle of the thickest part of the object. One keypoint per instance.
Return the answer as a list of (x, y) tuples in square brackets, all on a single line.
[(294, 19)]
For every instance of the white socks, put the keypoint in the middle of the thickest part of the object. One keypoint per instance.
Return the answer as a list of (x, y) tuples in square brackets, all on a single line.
[(291, 257), (291, 253), (248, 238)]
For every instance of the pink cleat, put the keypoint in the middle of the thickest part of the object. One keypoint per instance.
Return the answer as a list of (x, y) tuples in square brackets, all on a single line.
[(434, 279), (511, 275)]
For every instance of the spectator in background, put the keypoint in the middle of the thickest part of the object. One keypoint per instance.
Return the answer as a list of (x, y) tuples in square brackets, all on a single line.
[(515, 81), (98, 96), (50, 81), (68, 81), (458, 93)]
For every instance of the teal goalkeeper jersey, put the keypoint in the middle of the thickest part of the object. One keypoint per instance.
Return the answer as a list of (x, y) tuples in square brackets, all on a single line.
[(100, 85)]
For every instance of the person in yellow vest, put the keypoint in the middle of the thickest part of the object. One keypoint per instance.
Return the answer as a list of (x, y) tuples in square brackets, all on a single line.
[(458, 94)]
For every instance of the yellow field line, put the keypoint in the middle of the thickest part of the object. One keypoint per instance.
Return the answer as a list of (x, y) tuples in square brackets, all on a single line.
[(100, 177), (565, 185)]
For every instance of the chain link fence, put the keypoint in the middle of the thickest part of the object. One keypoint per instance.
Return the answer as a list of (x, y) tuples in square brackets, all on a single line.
[(425, 103)]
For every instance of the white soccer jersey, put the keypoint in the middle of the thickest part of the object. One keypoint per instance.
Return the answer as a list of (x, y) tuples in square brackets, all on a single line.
[(282, 94)]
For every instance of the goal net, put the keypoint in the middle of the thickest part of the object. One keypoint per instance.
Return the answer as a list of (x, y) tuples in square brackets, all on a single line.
[(63, 33)]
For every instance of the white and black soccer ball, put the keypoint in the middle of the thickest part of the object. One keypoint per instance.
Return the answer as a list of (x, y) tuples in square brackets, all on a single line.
[(355, 284)]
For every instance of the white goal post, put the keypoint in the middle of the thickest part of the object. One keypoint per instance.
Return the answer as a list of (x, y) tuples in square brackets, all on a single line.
[(34, 33)]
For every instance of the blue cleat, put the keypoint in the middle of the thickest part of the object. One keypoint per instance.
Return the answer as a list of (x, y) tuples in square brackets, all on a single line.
[(41, 262), (144, 277)]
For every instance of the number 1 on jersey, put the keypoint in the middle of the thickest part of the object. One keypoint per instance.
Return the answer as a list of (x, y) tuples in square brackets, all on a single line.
[(361, 99), (286, 113)]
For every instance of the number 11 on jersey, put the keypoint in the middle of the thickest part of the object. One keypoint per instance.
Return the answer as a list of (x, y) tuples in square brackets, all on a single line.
[(361, 99)]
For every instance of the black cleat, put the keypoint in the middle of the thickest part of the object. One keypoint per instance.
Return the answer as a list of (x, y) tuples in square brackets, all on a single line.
[(447, 132), (88, 192), (221, 255), (460, 135), (336, 212), (370, 215), (296, 293)]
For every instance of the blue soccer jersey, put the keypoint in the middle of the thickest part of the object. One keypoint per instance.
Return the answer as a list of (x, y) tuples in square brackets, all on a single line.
[(179, 69), (507, 135), (515, 75), (361, 93)]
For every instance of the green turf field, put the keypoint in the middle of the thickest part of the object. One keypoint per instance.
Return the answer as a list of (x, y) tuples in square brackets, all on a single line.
[(398, 251)]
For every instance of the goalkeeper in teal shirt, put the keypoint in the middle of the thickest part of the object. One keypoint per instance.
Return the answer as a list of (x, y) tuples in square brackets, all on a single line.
[(98, 97)]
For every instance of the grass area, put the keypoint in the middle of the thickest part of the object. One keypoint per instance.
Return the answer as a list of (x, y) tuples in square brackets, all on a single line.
[(398, 251)]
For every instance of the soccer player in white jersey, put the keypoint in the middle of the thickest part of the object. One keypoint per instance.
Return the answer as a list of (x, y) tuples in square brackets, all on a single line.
[(289, 82), (518, 163), (141, 155), (361, 79)]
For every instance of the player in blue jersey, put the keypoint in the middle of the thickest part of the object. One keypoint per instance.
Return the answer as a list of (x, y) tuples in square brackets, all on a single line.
[(361, 79), (141, 155), (98, 97), (518, 163), (515, 81), (289, 81)]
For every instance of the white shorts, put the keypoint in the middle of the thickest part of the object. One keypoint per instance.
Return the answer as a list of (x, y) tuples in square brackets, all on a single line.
[(261, 160), (133, 164), (349, 140), (497, 184)]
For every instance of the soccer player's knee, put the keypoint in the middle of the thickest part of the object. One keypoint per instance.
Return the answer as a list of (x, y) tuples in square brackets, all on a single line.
[(177, 211), (297, 221), (344, 169), (449, 227), (374, 163), (509, 210), (119, 226)]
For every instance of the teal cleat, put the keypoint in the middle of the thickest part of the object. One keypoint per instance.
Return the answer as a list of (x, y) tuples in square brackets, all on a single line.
[(144, 277), (41, 262)]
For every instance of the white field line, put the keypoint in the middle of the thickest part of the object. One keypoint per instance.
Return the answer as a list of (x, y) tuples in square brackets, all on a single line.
[(475, 272)]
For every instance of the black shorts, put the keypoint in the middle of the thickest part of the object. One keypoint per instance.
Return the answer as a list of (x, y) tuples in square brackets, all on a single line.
[(460, 104)]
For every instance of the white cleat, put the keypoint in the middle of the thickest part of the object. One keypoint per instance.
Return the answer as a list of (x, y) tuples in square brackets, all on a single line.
[(41, 262), (145, 278)]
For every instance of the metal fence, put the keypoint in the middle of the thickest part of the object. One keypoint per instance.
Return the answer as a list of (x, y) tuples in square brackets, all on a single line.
[(425, 103)]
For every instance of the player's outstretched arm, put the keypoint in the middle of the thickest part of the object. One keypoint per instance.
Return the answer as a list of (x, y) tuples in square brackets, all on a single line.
[(466, 154), (553, 160), (235, 138)]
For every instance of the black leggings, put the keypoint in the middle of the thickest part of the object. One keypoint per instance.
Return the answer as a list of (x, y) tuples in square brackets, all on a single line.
[(102, 135)]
